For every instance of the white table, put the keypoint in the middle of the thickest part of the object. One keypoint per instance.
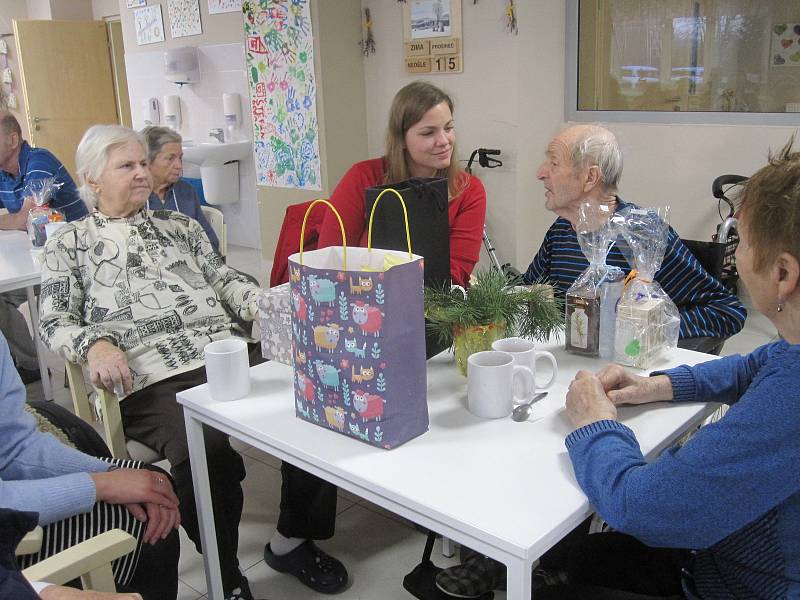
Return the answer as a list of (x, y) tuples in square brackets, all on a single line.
[(18, 269), (502, 488)]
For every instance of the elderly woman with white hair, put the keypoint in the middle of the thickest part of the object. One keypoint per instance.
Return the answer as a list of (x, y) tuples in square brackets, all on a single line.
[(165, 160), (136, 295)]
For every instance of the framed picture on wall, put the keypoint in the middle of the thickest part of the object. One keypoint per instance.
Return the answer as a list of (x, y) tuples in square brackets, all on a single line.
[(432, 36), (149, 25)]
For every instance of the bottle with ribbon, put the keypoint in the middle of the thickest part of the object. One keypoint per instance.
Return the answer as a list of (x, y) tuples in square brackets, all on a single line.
[(591, 300)]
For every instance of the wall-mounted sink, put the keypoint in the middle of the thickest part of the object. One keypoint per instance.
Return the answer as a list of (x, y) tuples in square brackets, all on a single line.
[(215, 153), (218, 168)]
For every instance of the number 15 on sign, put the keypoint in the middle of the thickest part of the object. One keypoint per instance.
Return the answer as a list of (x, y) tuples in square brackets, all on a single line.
[(446, 63)]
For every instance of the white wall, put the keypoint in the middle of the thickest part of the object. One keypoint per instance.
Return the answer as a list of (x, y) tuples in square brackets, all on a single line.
[(511, 96)]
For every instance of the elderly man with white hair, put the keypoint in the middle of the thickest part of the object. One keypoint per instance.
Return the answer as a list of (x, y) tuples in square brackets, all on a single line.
[(137, 294), (584, 162)]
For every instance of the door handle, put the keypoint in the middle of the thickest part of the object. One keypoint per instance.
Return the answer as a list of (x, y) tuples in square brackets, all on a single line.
[(37, 120)]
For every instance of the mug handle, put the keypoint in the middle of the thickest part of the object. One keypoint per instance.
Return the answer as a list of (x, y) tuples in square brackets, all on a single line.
[(530, 383), (549, 356)]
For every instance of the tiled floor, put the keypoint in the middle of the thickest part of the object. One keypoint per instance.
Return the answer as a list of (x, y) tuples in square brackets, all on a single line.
[(377, 547)]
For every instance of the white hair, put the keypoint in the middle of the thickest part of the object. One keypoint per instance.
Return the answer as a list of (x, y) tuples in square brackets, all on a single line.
[(91, 157), (596, 145)]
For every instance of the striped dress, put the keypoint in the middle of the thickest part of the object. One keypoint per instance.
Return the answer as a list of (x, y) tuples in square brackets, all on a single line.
[(706, 308)]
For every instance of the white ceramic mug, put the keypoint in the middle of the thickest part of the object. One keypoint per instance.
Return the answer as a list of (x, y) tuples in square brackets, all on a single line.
[(525, 354), (227, 369), (490, 378)]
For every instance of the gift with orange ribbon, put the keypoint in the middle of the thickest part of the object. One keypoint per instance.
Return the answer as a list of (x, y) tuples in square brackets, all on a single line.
[(647, 322)]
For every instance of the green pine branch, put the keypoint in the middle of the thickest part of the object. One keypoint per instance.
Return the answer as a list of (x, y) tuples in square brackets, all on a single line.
[(529, 313)]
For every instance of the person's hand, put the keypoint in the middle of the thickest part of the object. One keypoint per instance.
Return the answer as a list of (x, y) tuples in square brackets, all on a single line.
[(148, 495), (587, 401), (108, 367), (623, 387), (19, 219), (59, 592)]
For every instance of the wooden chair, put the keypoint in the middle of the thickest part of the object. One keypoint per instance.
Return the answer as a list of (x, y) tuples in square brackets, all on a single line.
[(112, 419), (216, 219), (90, 560)]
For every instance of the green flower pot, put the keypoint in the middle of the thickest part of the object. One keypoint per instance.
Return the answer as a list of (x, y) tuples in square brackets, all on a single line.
[(469, 340)]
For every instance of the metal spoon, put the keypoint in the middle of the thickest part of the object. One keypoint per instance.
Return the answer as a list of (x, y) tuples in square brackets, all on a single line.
[(523, 411)]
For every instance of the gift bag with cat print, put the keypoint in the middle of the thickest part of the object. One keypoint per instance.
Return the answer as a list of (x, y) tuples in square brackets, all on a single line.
[(358, 340)]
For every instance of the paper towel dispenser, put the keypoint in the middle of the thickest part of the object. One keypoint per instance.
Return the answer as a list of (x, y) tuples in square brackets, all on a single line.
[(181, 65)]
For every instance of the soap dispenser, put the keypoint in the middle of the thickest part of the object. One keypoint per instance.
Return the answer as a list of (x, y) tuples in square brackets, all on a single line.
[(172, 112), (232, 109)]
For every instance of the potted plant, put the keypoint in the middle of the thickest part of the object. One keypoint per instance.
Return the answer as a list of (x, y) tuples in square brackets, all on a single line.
[(491, 308)]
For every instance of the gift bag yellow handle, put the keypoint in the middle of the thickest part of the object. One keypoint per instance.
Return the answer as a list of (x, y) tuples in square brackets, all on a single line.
[(405, 218), (341, 228)]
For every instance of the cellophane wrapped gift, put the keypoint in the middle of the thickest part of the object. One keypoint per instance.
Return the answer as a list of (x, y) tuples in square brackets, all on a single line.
[(41, 190), (275, 324), (648, 321), (590, 308)]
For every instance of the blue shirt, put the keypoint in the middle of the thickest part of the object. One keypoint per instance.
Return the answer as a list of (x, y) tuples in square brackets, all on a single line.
[(732, 492), (707, 308), (38, 163), (182, 198), (37, 472)]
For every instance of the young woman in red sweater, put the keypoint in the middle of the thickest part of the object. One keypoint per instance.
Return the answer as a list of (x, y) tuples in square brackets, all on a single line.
[(420, 142)]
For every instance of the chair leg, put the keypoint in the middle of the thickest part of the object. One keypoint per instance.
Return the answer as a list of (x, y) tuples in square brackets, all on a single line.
[(448, 548)]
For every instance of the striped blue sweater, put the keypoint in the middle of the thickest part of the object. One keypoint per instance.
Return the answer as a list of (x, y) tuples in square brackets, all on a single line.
[(706, 308), (732, 492), (39, 163)]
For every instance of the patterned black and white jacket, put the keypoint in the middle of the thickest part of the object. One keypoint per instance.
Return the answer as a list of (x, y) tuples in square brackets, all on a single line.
[(150, 283)]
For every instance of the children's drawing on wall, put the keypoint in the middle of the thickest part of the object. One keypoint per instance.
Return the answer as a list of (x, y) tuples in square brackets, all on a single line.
[(224, 6), (184, 18), (280, 67), (786, 45), (136, 3), (149, 26), (430, 18)]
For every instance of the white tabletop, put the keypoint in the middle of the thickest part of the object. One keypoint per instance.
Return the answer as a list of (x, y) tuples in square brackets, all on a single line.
[(503, 485), (18, 268)]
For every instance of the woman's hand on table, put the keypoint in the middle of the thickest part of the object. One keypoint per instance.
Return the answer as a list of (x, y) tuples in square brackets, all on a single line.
[(587, 401), (623, 387), (108, 367)]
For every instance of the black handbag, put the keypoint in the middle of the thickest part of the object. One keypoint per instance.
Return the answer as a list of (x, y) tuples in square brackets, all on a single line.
[(428, 221), (427, 203)]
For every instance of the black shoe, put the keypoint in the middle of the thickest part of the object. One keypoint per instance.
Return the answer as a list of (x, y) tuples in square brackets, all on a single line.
[(240, 592), (476, 576), (29, 375), (312, 566)]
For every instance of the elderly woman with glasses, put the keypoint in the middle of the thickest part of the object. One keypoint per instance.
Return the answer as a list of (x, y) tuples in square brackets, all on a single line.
[(137, 295), (165, 160)]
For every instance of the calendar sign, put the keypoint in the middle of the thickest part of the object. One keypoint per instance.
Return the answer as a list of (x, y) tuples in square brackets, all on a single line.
[(432, 36)]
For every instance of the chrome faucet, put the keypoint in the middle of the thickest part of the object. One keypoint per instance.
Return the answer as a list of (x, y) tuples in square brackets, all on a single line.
[(218, 134)]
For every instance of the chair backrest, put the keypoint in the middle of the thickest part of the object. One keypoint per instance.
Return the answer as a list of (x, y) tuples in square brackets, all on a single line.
[(289, 238), (216, 219)]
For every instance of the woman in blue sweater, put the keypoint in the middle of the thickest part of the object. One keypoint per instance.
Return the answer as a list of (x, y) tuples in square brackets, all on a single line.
[(719, 517), (76, 496)]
